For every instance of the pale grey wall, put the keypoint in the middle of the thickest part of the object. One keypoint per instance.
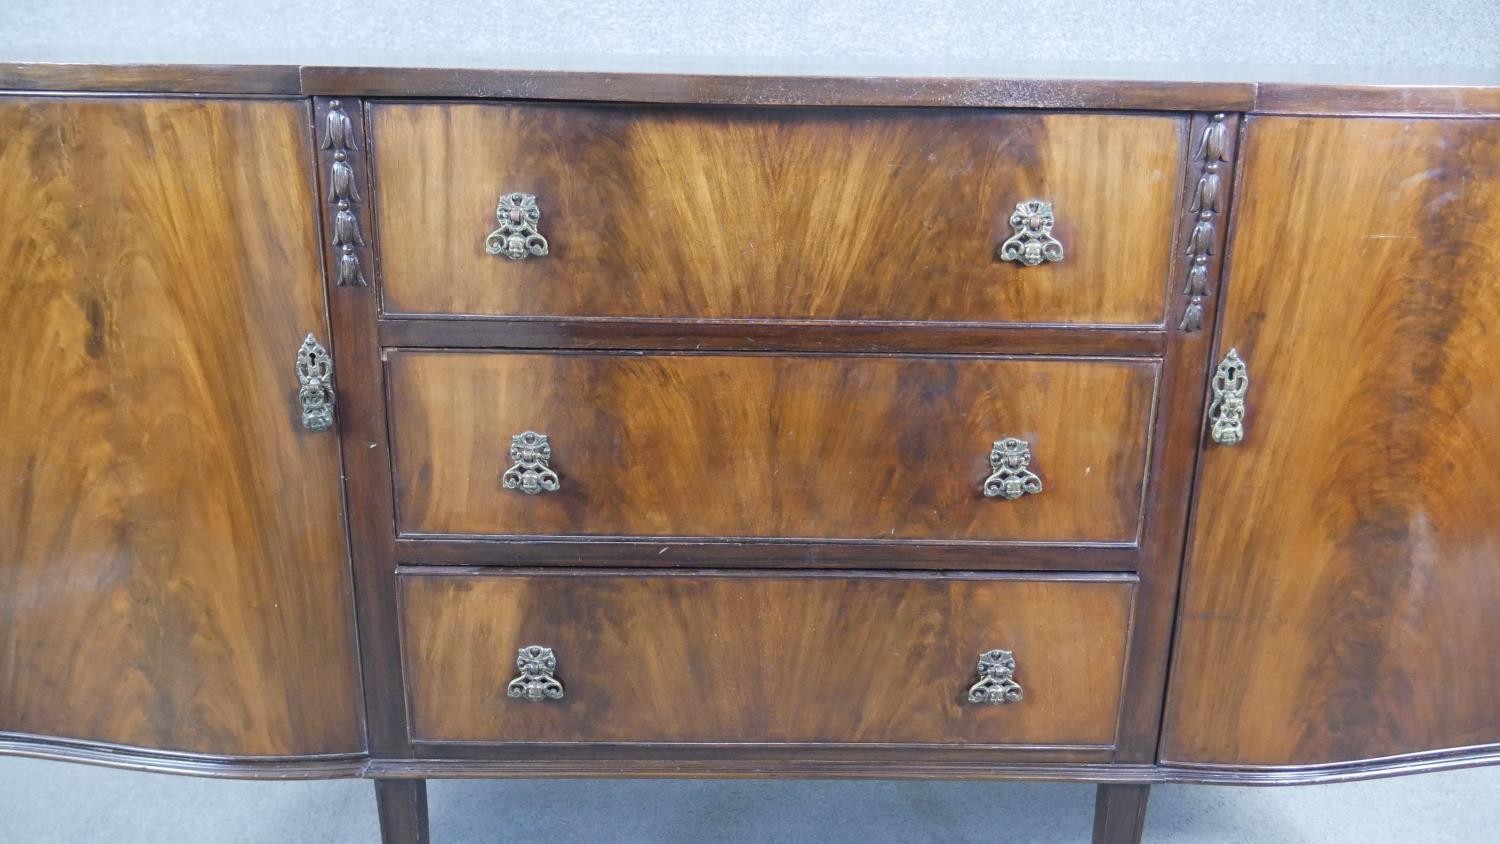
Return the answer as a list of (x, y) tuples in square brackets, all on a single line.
[(1395, 34)]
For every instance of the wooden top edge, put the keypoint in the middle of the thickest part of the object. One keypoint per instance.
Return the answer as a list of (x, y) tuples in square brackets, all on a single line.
[(781, 90), (1285, 98), (1472, 98), (70, 77)]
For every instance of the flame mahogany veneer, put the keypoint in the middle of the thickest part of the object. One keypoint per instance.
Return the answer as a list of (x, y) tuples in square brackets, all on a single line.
[(771, 344)]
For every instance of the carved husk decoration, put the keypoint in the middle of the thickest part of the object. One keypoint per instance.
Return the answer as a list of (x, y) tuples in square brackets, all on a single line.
[(1202, 241), (1197, 280), (1207, 196), (346, 229), (340, 132), (349, 274), (341, 183)]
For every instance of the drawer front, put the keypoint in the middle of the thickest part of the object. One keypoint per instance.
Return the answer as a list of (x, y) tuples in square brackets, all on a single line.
[(662, 658), (770, 446), (776, 213)]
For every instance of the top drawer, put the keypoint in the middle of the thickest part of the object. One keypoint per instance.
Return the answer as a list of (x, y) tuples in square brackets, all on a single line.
[(828, 214)]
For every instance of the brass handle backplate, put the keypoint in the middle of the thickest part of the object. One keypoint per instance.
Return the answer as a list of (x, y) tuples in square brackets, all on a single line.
[(1226, 413), (1032, 241), (1010, 465), (517, 238), (538, 666), (315, 384), (997, 679), (529, 472)]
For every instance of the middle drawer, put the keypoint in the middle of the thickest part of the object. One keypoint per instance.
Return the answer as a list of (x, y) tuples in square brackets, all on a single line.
[(774, 446)]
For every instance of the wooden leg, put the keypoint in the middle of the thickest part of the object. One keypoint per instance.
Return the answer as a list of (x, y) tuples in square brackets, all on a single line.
[(1120, 813), (403, 811)]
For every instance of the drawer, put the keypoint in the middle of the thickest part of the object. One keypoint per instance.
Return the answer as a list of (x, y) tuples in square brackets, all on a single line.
[(688, 658), (775, 213), (816, 447)]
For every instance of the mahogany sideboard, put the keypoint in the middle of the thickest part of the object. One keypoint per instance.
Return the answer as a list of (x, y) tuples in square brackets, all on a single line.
[(436, 423)]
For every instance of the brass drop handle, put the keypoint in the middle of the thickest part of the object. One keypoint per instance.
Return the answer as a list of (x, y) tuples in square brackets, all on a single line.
[(538, 666), (1032, 241), (517, 238), (1226, 413), (315, 384), (997, 679), (1011, 476), (530, 453)]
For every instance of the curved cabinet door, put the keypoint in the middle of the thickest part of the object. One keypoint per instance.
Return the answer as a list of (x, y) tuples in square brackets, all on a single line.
[(1342, 597), (173, 570)]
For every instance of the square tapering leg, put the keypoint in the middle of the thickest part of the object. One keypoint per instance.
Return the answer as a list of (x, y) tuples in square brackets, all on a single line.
[(403, 811), (1120, 813)]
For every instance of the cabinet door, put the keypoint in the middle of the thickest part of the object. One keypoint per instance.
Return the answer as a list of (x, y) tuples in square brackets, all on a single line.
[(1342, 596), (173, 570)]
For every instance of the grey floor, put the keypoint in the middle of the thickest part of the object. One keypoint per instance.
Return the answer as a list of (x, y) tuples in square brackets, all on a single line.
[(61, 802)]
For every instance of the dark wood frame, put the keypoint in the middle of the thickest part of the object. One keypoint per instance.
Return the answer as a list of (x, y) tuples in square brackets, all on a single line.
[(306, 768), (363, 434), (1155, 556), (1319, 90)]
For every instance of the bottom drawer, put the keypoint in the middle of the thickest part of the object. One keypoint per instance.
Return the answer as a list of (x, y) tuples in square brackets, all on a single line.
[(763, 659)]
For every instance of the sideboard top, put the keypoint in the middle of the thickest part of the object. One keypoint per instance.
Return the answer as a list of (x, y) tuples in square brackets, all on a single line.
[(1117, 87)]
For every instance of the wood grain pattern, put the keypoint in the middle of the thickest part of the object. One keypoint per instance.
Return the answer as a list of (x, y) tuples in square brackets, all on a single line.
[(1340, 600), (847, 447), (774, 658), (173, 565), (798, 214)]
